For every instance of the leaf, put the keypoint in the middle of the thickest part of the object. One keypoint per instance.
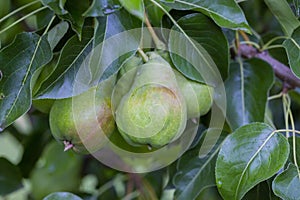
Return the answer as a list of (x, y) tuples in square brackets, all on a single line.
[(19, 62), (191, 59), (292, 49), (251, 154), (205, 32), (263, 191), (225, 13), (195, 173), (76, 8), (60, 83), (135, 7), (84, 64), (102, 8), (62, 196), (285, 16), (245, 100), (10, 177), (55, 171), (287, 184), (57, 33), (56, 5)]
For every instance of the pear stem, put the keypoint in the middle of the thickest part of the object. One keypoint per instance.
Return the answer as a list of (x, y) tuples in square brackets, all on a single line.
[(158, 43), (68, 145), (143, 55)]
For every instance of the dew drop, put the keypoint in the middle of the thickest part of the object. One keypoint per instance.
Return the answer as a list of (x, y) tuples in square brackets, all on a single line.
[(149, 147), (2, 95), (219, 184)]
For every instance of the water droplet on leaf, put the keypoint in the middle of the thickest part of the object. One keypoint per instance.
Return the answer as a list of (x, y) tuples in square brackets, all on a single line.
[(2, 95)]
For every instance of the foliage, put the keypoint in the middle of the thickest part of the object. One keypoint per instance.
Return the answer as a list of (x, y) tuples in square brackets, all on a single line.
[(245, 147)]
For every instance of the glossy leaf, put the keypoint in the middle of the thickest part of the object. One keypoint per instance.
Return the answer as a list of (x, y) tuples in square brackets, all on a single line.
[(251, 154), (102, 8), (245, 100), (285, 16), (55, 171), (56, 5), (57, 33), (93, 59), (19, 62), (62, 196), (210, 36), (287, 184), (76, 9), (225, 13), (292, 47), (60, 83), (106, 58), (135, 7), (195, 173), (10, 177), (191, 59)]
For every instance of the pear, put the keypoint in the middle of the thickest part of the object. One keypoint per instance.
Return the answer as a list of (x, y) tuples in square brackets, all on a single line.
[(153, 111), (198, 96), (84, 122)]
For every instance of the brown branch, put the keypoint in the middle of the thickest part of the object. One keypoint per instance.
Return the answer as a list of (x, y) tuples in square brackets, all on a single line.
[(284, 73)]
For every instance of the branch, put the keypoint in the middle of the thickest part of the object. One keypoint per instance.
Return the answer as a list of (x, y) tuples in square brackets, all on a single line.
[(283, 72)]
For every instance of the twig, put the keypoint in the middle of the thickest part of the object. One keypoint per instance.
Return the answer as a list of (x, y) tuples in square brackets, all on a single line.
[(284, 73)]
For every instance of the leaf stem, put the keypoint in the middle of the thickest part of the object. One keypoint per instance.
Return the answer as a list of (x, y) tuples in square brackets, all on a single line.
[(21, 19), (266, 46), (158, 43), (276, 96), (18, 10), (290, 114)]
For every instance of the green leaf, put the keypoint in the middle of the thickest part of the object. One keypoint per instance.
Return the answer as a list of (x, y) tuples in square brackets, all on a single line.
[(55, 171), (210, 36), (19, 62), (56, 5), (57, 33), (245, 100), (191, 59), (135, 7), (60, 83), (225, 13), (262, 190), (285, 16), (287, 184), (195, 173), (76, 9), (292, 47), (94, 59), (251, 154), (10, 177), (62, 196), (102, 8)]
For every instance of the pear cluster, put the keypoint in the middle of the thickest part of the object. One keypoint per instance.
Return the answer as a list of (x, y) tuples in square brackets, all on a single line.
[(147, 104)]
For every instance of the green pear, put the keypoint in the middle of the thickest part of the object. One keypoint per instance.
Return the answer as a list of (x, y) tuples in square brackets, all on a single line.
[(153, 111), (198, 96), (84, 122)]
